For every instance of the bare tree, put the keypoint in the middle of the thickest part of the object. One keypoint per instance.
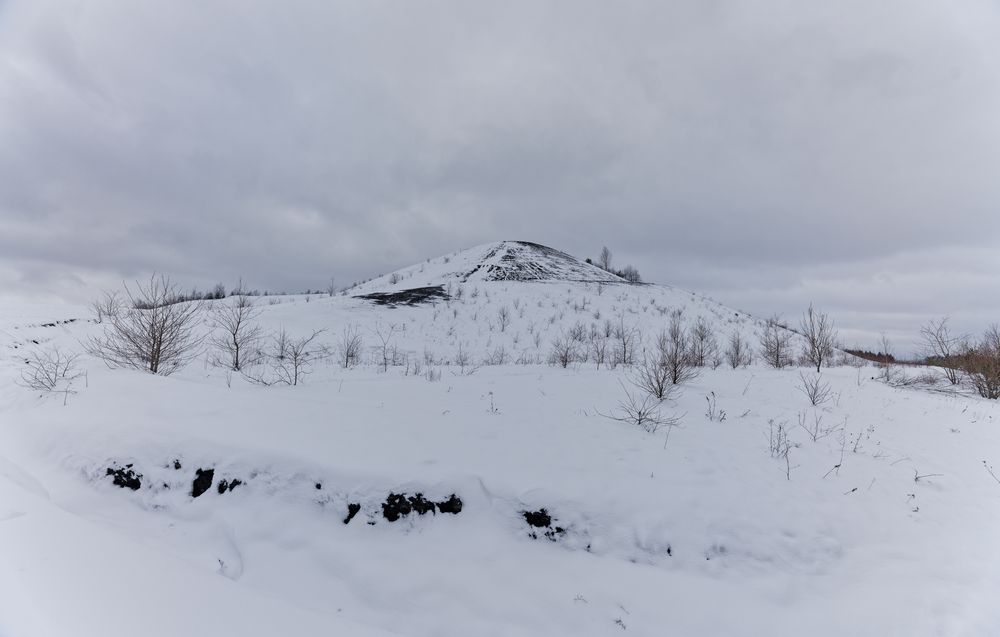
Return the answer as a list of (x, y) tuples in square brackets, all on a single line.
[(943, 349), (704, 347), (239, 339), (820, 335), (604, 259), (982, 364), (630, 274), (331, 287), (151, 331), (738, 351), (384, 335), (349, 348), (675, 350), (889, 372), (776, 344)]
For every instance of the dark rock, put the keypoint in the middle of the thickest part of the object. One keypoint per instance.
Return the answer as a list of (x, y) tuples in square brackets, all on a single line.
[(395, 506), (228, 485), (399, 505), (319, 486), (452, 505), (202, 481), (539, 518), (126, 478), (177, 465), (421, 504), (353, 508)]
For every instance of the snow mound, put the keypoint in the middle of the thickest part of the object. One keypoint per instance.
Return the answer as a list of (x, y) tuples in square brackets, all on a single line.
[(522, 261)]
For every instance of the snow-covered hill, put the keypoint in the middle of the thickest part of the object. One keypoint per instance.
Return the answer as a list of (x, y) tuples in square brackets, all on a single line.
[(498, 261), (542, 514)]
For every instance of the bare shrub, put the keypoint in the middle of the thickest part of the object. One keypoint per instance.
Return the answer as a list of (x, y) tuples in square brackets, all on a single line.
[(350, 345), (107, 306), (820, 337), (776, 344), (151, 330), (738, 351), (563, 351), (815, 389), (50, 370), (780, 445), (288, 361), (598, 348), (643, 412), (713, 412), (503, 318), (814, 428), (499, 356), (653, 377), (943, 349), (982, 364), (463, 359), (239, 342), (625, 337)]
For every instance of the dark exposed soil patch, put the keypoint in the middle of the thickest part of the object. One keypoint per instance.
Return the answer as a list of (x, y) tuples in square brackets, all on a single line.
[(452, 505), (202, 481), (227, 485), (399, 505), (541, 522), (125, 477), (413, 296)]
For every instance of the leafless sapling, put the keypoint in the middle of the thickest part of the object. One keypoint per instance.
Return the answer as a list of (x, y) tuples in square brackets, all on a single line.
[(776, 344), (349, 347), (237, 336), (820, 337), (152, 331), (737, 352)]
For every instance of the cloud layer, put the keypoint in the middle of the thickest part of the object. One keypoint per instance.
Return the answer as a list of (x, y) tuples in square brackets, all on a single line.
[(767, 153)]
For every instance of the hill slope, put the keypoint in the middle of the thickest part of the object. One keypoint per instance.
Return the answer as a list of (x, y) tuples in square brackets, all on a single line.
[(332, 506)]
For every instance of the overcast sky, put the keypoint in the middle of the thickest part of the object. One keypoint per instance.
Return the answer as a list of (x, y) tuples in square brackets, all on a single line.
[(768, 154)]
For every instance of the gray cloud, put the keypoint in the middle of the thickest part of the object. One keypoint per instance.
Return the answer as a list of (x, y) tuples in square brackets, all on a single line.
[(767, 153)]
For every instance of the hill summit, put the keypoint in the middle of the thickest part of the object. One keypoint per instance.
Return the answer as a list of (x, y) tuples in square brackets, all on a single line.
[(498, 261)]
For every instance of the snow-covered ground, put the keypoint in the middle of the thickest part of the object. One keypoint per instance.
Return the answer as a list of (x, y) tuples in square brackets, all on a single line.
[(689, 530)]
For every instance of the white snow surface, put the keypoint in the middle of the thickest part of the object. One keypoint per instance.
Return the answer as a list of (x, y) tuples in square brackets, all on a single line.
[(690, 530)]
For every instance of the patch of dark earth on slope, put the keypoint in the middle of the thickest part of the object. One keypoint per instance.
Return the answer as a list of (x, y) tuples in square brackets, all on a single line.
[(413, 296), (540, 520), (202, 482)]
